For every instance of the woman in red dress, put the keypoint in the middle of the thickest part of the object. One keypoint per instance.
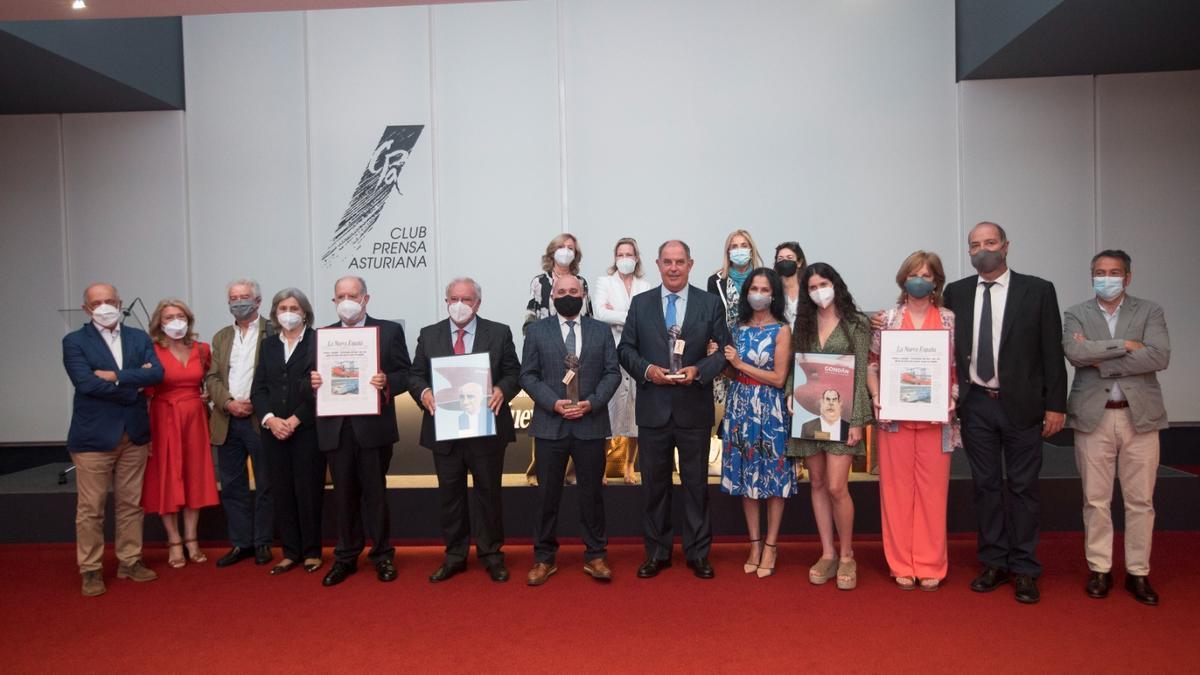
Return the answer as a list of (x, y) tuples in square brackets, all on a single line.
[(179, 472)]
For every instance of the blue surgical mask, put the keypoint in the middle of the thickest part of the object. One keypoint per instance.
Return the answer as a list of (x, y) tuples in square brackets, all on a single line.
[(1108, 288), (739, 256), (918, 287)]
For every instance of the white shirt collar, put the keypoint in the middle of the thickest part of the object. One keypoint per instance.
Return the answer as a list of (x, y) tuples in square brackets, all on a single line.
[(1001, 280), (682, 293), (562, 321), (469, 328), (361, 322), (1115, 312), (114, 331)]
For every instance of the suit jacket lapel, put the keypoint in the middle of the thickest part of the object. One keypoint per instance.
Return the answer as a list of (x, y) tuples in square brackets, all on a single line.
[(689, 312), (1128, 309), (969, 319), (480, 343), (661, 320), (1016, 291), (97, 339)]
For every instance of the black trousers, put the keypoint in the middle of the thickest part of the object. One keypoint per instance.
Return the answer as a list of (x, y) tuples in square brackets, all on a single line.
[(1005, 463), (250, 522), (360, 494), (484, 459), (298, 474), (589, 472), (656, 447)]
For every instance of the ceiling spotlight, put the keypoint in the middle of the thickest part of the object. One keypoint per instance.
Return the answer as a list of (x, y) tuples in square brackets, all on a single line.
[(79, 4)]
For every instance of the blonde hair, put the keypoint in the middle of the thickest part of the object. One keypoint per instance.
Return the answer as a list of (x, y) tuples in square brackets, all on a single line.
[(914, 262), (554, 245), (155, 330), (637, 270), (755, 259)]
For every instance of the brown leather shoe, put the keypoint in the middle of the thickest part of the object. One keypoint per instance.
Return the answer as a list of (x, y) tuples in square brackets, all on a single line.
[(137, 571), (598, 569), (540, 574), (93, 583)]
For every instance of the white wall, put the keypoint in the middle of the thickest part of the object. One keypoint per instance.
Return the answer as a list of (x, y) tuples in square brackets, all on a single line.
[(837, 124)]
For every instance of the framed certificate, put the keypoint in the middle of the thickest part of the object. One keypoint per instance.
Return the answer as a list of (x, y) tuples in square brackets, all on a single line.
[(914, 375), (822, 396), (461, 386), (347, 359)]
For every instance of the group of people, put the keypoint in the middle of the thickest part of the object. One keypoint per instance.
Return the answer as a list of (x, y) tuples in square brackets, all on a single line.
[(650, 367)]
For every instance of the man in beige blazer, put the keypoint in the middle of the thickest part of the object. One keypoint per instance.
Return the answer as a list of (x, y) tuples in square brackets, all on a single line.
[(1117, 344), (234, 427)]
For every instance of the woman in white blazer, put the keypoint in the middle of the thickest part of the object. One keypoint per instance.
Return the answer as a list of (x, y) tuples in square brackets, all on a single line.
[(610, 303)]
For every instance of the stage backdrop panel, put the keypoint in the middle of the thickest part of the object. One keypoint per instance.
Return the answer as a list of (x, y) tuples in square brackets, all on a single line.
[(828, 123), (247, 141), (1148, 167), (371, 159), (35, 402)]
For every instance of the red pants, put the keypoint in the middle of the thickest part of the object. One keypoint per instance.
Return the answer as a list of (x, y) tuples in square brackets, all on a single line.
[(914, 479)]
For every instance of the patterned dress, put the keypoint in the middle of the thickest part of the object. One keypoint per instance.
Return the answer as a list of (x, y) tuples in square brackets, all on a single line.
[(754, 462)]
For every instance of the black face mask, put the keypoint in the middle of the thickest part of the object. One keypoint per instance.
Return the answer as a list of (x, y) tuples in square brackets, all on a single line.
[(568, 305), (785, 268)]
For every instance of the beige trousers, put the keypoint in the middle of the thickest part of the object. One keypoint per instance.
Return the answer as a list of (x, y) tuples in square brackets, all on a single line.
[(1114, 448), (121, 469)]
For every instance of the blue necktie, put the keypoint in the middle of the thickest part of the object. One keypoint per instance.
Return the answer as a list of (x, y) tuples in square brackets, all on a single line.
[(671, 318), (570, 337)]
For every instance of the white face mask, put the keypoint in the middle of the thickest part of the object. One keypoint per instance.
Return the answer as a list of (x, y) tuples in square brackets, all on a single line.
[(758, 301), (349, 311), (106, 315), (564, 256), (460, 312), (289, 320), (626, 265), (823, 296), (175, 329)]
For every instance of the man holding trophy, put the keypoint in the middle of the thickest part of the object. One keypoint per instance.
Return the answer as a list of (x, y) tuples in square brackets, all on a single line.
[(664, 347), (569, 369)]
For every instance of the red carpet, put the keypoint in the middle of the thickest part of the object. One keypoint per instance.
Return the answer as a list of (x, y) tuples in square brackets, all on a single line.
[(201, 619)]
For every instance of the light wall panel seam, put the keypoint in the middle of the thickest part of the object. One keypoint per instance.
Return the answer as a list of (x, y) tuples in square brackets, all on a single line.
[(435, 165)]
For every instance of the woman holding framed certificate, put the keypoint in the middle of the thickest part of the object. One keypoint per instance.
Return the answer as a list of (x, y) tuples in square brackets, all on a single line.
[(829, 323), (914, 453)]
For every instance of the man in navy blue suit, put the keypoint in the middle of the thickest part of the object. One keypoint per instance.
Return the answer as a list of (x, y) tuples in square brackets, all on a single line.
[(109, 439)]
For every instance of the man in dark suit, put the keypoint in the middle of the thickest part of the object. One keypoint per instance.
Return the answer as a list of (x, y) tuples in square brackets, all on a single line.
[(360, 446), (109, 439), (483, 456), (829, 425), (566, 428), (1008, 344), (674, 410)]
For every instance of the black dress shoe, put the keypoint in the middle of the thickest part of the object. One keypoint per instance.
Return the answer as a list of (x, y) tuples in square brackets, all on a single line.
[(386, 570), (989, 579), (651, 568), (701, 568), (235, 555), (262, 555), (1027, 590), (282, 568), (338, 574), (1140, 587), (446, 571), (1098, 584), (498, 572)]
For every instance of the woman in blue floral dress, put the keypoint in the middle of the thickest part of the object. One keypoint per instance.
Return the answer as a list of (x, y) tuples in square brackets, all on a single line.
[(755, 465)]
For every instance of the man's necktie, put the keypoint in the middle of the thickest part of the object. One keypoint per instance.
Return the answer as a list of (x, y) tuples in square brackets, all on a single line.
[(460, 347), (985, 364), (672, 320), (570, 341)]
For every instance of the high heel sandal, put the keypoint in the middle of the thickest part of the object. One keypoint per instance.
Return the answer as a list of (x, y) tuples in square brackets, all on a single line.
[(930, 584), (822, 571), (847, 574), (172, 560), (750, 567), (906, 583), (198, 556), (764, 572)]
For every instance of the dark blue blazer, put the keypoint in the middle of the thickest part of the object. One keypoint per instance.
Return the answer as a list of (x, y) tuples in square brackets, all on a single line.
[(644, 343), (543, 369), (102, 411)]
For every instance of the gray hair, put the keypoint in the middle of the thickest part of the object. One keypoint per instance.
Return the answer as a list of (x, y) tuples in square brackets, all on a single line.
[(465, 280), (299, 296), (687, 250), (99, 283), (362, 283), (244, 282)]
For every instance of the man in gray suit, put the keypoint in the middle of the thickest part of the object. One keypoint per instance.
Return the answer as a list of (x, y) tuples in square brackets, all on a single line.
[(1117, 343), (566, 354)]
